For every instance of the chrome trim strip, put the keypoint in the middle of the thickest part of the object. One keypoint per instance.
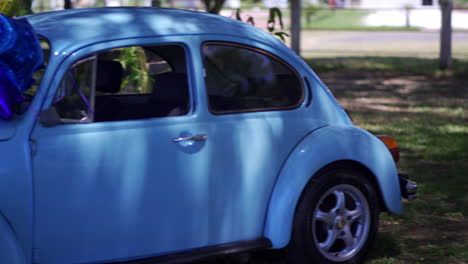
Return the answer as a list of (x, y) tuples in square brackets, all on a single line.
[(200, 137)]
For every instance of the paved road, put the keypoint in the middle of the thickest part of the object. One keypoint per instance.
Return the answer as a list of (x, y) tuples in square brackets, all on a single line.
[(369, 43), (379, 43)]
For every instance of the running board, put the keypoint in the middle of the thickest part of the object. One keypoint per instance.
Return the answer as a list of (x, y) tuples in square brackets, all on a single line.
[(204, 252)]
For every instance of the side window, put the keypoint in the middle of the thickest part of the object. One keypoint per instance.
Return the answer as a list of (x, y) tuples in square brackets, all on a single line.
[(73, 98), (240, 79), (125, 84)]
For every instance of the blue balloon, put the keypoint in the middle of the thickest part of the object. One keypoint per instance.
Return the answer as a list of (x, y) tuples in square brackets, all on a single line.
[(20, 57), (9, 95)]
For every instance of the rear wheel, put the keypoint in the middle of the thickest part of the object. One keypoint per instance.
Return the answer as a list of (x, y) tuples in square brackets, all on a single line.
[(336, 219)]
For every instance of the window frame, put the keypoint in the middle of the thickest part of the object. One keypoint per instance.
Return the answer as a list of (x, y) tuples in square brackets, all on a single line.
[(149, 46), (261, 51), (90, 99)]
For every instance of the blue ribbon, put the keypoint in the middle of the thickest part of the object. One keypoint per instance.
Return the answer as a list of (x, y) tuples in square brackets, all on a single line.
[(9, 96)]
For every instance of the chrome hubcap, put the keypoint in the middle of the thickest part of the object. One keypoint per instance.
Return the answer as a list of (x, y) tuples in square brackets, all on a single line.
[(341, 222)]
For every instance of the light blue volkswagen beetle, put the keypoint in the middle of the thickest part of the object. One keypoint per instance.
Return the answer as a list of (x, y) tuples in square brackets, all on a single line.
[(161, 135)]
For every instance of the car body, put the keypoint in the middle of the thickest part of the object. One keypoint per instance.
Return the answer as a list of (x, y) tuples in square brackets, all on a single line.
[(90, 174)]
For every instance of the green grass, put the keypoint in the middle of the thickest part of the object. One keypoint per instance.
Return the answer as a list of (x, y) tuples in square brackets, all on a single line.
[(392, 65), (426, 111), (341, 19), (460, 3)]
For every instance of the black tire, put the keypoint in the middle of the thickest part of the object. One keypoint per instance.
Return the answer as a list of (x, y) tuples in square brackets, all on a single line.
[(324, 232)]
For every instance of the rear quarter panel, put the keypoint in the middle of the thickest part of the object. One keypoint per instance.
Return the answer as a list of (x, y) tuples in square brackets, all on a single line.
[(320, 148)]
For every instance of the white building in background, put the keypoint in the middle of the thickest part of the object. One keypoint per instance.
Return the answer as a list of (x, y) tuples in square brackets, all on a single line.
[(379, 4), (394, 4), (275, 3), (232, 3), (124, 2)]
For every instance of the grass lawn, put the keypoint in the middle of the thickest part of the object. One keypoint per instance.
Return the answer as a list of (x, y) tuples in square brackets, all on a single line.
[(461, 3), (426, 111), (390, 65), (341, 19)]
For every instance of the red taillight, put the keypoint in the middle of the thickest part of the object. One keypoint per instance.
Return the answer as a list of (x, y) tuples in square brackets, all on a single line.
[(392, 145)]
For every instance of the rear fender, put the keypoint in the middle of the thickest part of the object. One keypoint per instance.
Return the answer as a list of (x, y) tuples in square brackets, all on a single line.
[(320, 148), (10, 250)]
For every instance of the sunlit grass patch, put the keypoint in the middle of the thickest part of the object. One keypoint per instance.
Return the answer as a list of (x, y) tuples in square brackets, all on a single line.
[(341, 19), (383, 261), (334, 19), (453, 128)]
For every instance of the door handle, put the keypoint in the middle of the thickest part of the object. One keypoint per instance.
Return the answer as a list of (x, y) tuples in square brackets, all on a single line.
[(200, 137)]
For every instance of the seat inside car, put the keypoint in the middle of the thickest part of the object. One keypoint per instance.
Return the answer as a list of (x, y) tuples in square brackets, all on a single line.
[(108, 80), (170, 94)]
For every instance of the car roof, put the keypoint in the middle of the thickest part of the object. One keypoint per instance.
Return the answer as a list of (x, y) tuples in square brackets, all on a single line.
[(70, 29)]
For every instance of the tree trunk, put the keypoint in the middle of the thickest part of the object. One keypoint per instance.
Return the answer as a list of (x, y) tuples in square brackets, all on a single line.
[(213, 6), (296, 26), (407, 20), (445, 60), (67, 4)]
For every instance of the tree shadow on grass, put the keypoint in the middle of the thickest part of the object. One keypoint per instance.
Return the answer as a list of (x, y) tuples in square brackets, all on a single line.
[(385, 246), (385, 65), (277, 256)]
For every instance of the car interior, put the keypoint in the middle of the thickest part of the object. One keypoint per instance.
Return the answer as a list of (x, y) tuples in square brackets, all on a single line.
[(118, 92)]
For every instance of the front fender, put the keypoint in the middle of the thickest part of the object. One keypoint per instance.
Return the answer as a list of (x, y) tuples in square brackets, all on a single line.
[(10, 250), (320, 148)]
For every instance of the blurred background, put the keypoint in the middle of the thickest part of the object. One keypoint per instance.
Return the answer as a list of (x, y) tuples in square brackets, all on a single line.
[(399, 71), (349, 27)]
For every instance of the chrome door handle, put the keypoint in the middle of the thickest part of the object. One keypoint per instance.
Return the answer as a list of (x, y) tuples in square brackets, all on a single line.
[(200, 137)]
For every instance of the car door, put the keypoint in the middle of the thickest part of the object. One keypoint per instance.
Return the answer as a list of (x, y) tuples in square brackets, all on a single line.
[(257, 109), (113, 177)]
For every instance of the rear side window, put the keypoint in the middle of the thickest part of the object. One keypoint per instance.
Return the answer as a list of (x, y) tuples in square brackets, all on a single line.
[(241, 79)]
